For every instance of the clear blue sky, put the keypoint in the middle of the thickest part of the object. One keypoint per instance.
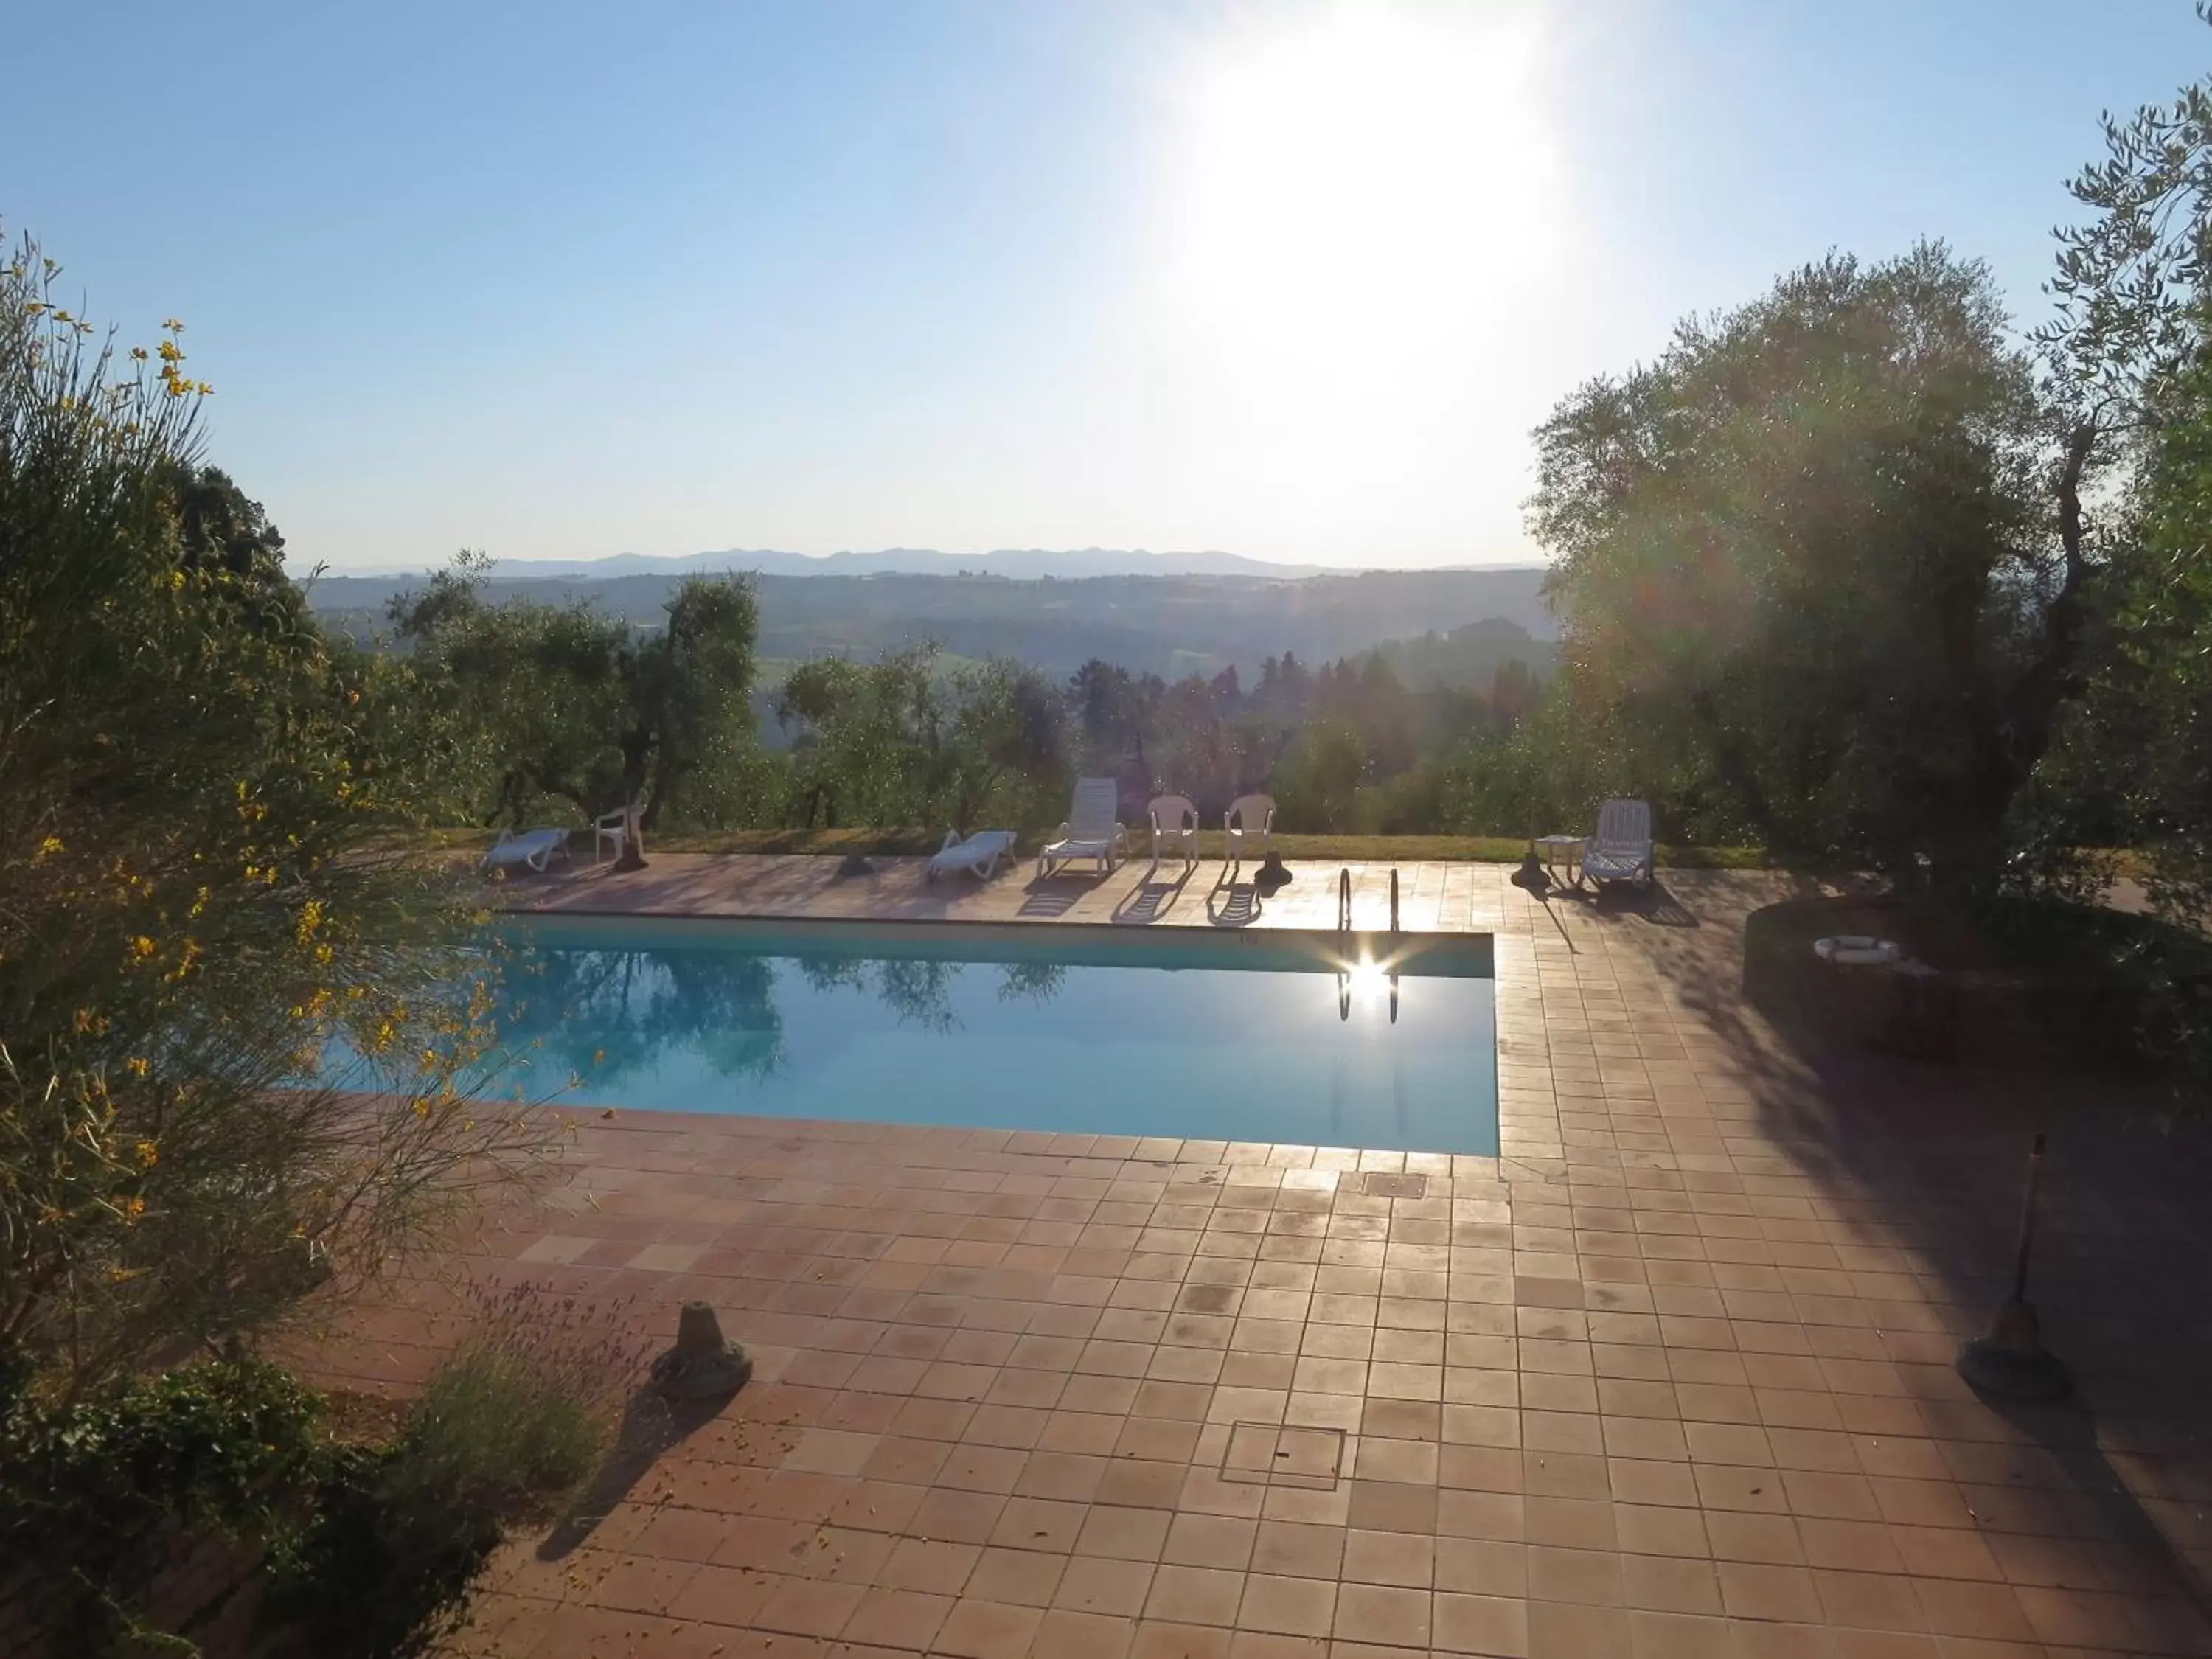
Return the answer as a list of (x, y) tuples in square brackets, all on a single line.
[(1289, 280)]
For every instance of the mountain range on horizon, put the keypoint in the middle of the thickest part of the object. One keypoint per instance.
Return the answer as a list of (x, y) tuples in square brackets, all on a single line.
[(1015, 563), (1169, 625)]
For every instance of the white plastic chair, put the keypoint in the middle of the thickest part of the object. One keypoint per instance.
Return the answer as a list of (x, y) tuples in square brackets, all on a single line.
[(978, 854), (1175, 824), (1092, 830), (610, 828), (1621, 848), (533, 849), (1249, 821)]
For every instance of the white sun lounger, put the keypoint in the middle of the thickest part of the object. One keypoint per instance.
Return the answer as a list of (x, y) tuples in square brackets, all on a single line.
[(1175, 826), (533, 849), (1621, 849), (1092, 830), (978, 854)]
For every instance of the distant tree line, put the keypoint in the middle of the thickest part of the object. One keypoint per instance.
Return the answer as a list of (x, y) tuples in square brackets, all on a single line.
[(531, 707), (1164, 624)]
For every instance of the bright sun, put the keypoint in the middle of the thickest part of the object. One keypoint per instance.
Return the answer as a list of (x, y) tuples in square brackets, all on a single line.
[(1358, 182)]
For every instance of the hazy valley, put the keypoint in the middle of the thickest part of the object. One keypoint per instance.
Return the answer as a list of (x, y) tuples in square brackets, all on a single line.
[(1171, 625)]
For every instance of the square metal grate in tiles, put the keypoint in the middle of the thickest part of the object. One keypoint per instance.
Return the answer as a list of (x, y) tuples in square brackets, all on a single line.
[(1274, 1455), (1376, 1183)]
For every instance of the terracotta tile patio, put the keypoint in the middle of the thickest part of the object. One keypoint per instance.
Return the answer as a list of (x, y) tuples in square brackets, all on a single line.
[(1671, 1377)]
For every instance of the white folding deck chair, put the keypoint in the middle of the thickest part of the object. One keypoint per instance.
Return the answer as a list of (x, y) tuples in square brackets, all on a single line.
[(1175, 824), (1249, 821), (532, 850), (1621, 848), (978, 853), (1092, 830)]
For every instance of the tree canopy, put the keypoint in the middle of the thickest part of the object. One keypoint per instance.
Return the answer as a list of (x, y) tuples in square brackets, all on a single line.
[(2131, 351), (533, 699), (1810, 560), (899, 742)]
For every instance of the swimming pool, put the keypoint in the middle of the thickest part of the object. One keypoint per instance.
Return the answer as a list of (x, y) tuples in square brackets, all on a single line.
[(1306, 1039)]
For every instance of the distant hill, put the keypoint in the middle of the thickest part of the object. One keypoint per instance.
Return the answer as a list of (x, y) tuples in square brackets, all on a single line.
[(1169, 625), (1014, 561)]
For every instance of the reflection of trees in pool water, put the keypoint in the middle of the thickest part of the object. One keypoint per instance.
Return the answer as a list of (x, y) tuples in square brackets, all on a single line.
[(1030, 981), (605, 1014), (920, 992)]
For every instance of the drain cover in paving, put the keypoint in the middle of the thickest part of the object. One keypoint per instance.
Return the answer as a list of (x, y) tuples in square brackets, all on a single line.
[(1376, 1184), (1269, 1455)]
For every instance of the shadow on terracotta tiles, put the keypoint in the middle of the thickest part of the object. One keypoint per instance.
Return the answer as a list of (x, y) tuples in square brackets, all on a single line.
[(1232, 903), (2066, 1430), (1149, 900), (1053, 896), (1928, 1158), (1545, 896), (651, 1427), (1654, 903)]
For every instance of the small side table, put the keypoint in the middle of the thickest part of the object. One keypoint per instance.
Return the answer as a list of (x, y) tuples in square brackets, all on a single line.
[(1562, 852)]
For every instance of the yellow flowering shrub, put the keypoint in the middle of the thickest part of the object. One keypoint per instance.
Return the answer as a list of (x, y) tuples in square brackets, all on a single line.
[(206, 899)]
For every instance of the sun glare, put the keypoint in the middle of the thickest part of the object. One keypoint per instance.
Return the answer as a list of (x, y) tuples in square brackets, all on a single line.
[(1361, 233), (1369, 981), (1360, 184)]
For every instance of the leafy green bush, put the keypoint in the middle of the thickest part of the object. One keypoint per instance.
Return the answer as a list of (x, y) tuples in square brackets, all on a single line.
[(91, 1493), (1318, 782), (368, 1550)]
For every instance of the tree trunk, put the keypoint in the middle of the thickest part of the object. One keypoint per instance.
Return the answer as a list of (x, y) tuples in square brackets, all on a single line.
[(662, 794), (2029, 712), (633, 844)]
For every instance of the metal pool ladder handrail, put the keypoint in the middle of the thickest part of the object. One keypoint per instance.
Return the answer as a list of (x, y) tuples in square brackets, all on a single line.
[(1393, 934), (1343, 926)]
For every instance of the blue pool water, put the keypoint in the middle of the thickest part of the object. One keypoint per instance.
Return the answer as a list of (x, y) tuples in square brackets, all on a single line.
[(1204, 1035)]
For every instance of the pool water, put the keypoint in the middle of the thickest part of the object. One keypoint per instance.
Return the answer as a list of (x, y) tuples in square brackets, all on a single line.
[(1305, 1039)]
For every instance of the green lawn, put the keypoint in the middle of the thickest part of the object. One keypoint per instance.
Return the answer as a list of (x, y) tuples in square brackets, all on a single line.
[(1356, 849)]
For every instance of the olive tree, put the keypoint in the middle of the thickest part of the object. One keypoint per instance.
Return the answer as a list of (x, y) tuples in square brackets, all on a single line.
[(899, 742), (2130, 350), (563, 700), (1825, 557)]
